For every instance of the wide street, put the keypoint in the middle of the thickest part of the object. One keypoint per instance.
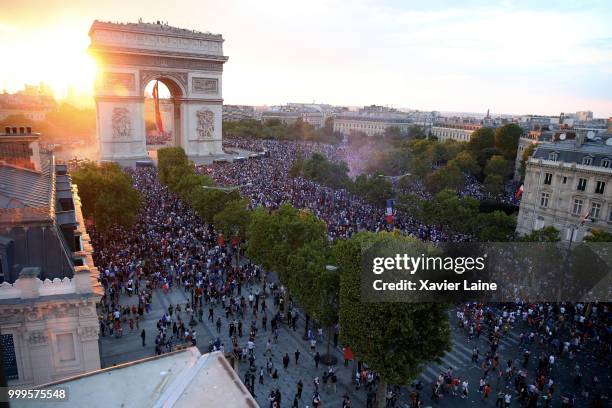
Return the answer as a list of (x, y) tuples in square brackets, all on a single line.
[(129, 347)]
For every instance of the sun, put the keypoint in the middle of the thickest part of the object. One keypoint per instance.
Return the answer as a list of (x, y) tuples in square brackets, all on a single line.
[(56, 55)]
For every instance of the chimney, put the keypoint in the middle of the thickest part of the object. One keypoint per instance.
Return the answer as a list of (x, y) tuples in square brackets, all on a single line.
[(82, 279), (579, 141), (29, 283)]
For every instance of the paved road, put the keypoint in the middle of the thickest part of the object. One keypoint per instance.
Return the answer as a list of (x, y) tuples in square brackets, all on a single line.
[(128, 348)]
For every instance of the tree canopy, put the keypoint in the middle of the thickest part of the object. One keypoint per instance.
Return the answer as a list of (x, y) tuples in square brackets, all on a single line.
[(107, 195), (507, 139), (395, 339), (274, 236)]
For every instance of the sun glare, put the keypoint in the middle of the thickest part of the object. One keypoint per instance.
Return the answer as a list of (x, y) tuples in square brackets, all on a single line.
[(53, 55)]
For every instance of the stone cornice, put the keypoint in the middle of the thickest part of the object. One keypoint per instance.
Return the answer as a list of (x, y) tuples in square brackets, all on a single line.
[(573, 167), (109, 49)]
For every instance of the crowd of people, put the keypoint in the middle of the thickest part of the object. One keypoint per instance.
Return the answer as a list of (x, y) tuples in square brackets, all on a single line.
[(170, 249), (558, 343)]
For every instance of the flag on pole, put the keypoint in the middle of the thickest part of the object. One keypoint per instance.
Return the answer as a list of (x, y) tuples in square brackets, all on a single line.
[(519, 192), (158, 119), (389, 212), (585, 218)]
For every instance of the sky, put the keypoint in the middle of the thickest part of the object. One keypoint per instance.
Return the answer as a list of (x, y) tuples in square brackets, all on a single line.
[(513, 57)]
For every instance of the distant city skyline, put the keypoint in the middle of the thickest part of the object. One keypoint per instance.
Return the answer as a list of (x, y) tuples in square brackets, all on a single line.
[(512, 57)]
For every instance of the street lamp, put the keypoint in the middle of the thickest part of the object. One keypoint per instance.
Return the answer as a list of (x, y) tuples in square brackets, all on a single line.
[(228, 189), (395, 178)]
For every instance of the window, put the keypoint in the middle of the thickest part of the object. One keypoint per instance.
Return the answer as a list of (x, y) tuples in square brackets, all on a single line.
[(553, 156), (587, 161), (599, 188), (595, 210), (605, 163), (577, 210), (544, 200), (610, 215), (10, 359), (581, 184), (564, 180), (548, 178)]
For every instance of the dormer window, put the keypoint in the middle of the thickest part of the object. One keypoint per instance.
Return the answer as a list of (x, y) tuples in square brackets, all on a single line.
[(587, 161), (553, 156), (605, 163)]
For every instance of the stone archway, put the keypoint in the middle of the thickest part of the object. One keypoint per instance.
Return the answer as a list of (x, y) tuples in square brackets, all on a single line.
[(189, 63)]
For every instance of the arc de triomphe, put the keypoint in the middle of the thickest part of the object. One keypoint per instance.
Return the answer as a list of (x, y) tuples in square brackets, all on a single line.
[(188, 62)]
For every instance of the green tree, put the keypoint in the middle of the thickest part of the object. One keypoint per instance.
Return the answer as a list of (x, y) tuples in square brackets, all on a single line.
[(420, 166), (598, 235), (274, 237), (450, 212), (546, 234), (447, 177), (497, 165), (496, 226), (417, 132), (233, 219), (374, 189), (325, 172), (187, 183), (507, 139), (172, 165), (396, 340), (107, 195), (465, 162), (297, 168), (210, 202), (482, 138), (494, 184), (314, 286), (411, 204)]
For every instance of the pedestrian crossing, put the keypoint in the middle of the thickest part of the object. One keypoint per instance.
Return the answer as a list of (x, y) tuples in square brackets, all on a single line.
[(460, 355)]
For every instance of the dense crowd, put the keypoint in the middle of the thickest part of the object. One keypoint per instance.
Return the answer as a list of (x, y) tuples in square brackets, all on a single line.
[(169, 248), (559, 343)]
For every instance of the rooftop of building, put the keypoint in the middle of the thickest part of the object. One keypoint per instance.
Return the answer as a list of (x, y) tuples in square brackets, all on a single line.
[(375, 118), (573, 151), (179, 379)]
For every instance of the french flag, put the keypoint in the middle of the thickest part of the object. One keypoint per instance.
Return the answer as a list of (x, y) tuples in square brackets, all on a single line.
[(519, 192), (389, 212)]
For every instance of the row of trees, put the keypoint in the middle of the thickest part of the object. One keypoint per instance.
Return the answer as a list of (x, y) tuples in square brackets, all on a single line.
[(394, 339), (318, 168), (460, 215), (107, 195), (488, 156), (217, 206), (278, 130)]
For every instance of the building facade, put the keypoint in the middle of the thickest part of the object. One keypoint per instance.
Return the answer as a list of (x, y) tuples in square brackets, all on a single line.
[(235, 113), (460, 132), (568, 186), (49, 291), (371, 125)]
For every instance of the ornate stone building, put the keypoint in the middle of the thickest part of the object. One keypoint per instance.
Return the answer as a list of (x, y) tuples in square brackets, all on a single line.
[(49, 290), (568, 185), (188, 62)]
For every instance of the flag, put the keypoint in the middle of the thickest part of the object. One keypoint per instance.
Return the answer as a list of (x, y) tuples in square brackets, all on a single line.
[(389, 212), (585, 218), (158, 119), (519, 192)]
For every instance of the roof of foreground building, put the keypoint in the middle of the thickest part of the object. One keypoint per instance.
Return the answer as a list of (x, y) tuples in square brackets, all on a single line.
[(179, 379)]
